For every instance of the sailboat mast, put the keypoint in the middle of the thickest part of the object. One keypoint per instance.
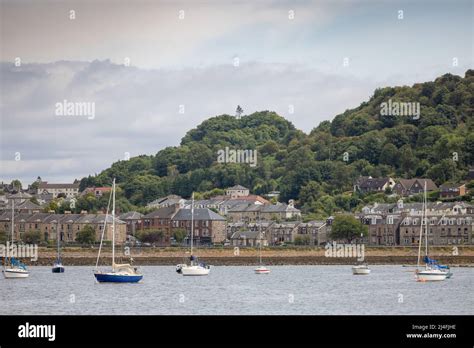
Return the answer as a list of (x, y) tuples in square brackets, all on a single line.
[(192, 222), (57, 235), (260, 242), (13, 220), (113, 224), (421, 235), (426, 221)]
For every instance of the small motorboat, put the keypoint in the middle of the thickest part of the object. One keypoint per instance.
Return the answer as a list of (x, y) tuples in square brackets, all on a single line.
[(360, 270)]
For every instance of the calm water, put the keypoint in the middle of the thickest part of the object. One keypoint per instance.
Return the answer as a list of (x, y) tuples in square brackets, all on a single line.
[(236, 290)]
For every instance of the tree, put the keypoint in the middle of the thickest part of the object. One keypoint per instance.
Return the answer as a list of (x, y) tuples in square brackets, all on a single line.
[(150, 236), (16, 184), (86, 235), (32, 237), (347, 227), (389, 155), (179, 235), (238, 111), (3, 237), (302, 239)]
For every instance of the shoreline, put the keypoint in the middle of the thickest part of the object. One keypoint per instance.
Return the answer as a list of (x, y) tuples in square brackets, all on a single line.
[(87, 256), (454, 261)]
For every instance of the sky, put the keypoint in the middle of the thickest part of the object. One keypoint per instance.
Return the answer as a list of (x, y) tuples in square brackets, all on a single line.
[(155, 69)]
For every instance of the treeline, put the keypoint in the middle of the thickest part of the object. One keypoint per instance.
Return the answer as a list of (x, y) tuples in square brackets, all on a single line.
[(316, 169)]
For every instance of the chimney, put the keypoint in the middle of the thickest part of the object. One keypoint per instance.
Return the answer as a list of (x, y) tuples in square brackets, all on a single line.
[(83, 212), (291, 203), (181, 203), (67, 212)]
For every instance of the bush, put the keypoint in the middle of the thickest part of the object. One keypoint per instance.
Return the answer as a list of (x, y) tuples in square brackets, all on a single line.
[(86, 235), (32, 237), (150, 236), (302, 240)]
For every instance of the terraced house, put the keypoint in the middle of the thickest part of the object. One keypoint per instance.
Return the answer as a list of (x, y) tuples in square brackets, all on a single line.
[(399, 224), (442, 230), (209, 227), (68, 225)]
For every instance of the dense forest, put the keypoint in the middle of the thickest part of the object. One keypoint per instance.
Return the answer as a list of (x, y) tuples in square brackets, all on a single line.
[(316, 169)]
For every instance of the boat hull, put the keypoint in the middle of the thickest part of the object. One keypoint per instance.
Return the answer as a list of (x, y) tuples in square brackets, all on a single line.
[(14, 273), (117, 278), (360, 271), (430, 276), (58, 269), (261, 270), (194, 271)]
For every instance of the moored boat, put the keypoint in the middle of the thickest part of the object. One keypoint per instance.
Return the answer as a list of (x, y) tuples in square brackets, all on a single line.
[(360, 270), (194, 268), (121, 273)]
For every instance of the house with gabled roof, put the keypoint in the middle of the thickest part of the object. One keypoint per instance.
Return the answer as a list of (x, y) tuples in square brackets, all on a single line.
[(209, 227), (408, 187), (367, 184), (237, 191)]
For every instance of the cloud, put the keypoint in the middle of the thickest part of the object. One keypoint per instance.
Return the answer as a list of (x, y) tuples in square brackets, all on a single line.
[(138, 110)]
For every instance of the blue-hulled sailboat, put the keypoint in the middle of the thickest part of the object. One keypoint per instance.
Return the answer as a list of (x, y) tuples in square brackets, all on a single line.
[(120, 273)]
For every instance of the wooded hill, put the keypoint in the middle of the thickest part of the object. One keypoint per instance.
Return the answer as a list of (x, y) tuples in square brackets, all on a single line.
[(315, 169)]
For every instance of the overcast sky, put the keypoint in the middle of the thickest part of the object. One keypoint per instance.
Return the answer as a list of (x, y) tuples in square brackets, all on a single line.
[(183, 57)]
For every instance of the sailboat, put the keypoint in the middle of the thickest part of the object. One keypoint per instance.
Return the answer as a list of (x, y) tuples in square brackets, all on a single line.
[(13, 268), (261, 269), (431, 271), (194, 268), (58, 266), (361, 269), (121, 273)]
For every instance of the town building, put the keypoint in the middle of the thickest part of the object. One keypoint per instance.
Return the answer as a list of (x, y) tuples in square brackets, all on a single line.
[(408, 187), (209, 227), (133, 220), (165, 202), (160, 220), (248, 238), (367, 184), (66, 190), (442, 230), (96, 191), (273, 212), (68, 225), (452, 190), (237, 191)]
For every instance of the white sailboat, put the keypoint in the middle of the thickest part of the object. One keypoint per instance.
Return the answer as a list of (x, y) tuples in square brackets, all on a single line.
[(194, 268), (261, 269), (13, 268), (431, 272), (360, 270), (121, 273)]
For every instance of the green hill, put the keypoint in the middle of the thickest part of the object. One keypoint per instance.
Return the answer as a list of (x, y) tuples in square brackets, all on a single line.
[(316, 168)]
